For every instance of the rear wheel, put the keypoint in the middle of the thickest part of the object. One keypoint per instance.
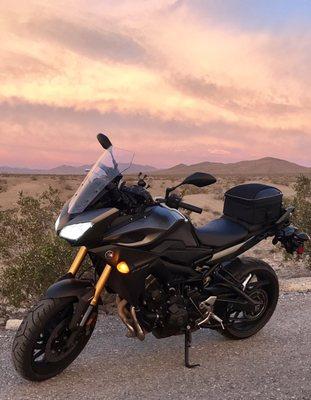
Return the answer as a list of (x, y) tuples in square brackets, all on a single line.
[(44, 344), (261, 284)]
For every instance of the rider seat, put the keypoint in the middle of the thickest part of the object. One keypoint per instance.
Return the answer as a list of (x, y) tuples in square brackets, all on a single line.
[(221, 232)]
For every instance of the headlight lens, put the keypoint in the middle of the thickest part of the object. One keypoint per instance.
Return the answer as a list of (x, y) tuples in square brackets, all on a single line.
[(75, 231), (57, 222)]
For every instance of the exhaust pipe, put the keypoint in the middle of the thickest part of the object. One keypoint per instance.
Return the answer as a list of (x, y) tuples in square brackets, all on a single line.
[(129, 319), (139, 331), (124, 316)]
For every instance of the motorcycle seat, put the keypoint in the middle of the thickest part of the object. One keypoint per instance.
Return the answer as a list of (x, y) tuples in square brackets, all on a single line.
[(221, 232)]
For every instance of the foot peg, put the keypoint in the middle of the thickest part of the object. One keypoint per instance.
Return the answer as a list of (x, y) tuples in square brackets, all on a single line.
[(188, 340), (207, 306), (208, 317)]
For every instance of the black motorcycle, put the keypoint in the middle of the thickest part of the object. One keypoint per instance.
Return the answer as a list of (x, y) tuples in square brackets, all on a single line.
[(169, 277)]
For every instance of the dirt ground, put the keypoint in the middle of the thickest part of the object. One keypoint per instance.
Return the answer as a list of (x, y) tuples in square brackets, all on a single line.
[(209, 198)]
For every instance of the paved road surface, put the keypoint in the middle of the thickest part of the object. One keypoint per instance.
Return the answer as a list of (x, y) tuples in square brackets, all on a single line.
[(275, 364)]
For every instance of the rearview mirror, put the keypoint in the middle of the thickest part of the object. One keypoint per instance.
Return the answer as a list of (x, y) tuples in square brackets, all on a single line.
[(199, 179), (104, 141)]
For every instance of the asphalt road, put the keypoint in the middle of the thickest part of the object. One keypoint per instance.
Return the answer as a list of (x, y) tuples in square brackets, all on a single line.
[(274, 364)]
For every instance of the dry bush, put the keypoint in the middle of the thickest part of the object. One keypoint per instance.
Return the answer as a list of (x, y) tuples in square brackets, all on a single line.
[(189, 189), (33, 256), (282, 180), (302, 215), (218, 193), (3, 185), (67, 186)]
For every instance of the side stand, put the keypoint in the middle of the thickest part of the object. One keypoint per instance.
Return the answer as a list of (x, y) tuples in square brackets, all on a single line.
[(187, 347)]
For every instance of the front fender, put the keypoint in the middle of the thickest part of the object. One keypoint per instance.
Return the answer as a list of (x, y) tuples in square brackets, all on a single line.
[(70, 287)]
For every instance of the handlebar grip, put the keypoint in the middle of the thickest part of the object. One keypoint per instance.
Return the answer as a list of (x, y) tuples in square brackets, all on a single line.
[(190, 207)]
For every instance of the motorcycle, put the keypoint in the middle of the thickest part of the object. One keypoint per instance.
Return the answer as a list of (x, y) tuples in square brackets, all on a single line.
[(169, 277)]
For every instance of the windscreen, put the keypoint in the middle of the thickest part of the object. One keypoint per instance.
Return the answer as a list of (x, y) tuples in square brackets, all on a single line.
[(110, 164)]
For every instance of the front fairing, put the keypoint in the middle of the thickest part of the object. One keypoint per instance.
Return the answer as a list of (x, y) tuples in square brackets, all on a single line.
[(99, 220), (63, 218), (109, 225)]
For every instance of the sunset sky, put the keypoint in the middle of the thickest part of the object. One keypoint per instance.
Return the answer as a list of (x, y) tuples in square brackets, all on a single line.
[(174, 81)]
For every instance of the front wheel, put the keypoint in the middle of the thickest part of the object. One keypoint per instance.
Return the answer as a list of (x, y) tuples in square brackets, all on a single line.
[(44, 344), (261, 284)]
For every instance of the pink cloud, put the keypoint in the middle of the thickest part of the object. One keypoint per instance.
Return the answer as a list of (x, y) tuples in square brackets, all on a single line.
[(160, 80)]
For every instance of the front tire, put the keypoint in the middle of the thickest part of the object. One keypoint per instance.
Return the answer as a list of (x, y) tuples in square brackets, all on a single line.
[(44, 345), (262, 287)]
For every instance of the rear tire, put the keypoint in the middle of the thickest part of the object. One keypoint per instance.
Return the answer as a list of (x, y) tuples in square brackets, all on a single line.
[(268, 294), (44, 332)]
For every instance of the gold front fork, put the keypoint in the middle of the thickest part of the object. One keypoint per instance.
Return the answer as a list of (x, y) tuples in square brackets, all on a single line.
[(78, 260), (98, 289), (102, 279), (101, 284)]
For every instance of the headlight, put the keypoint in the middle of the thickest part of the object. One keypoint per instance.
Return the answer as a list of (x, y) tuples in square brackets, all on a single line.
[(75, 231), (57, 222)]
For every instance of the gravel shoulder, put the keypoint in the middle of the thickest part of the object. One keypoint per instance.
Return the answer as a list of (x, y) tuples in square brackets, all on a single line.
[(274, 364)]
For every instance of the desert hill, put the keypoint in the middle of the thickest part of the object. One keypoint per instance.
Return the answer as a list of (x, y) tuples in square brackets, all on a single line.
[(263, 166), (69, 170), (266, 166)]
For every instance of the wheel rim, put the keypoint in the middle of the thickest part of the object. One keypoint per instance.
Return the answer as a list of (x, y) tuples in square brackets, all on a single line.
[(59, 344), (56, 342), (257, 288)]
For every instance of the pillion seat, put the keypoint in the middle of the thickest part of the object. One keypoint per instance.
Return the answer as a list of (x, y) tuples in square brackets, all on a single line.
[(221, 232)]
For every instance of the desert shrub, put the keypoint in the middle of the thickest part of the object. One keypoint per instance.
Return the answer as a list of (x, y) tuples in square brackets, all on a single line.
[(67, 186), (190, 189), (282, 180), (3, 185), (218, 193), (302, 203), (33, 256)]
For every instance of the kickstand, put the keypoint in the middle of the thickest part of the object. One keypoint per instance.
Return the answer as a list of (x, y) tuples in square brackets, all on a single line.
[(187, 347)]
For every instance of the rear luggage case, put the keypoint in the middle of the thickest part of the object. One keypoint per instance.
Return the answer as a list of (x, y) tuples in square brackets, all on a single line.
[(253, 204)]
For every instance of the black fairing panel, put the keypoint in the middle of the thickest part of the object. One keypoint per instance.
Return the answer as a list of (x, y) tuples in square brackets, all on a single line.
[(144, 229), (128, 286), (180, 246), (135, 258), (184, 234), (177, 243)]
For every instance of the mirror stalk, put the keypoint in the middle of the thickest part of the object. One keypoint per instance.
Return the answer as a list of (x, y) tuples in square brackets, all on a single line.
[(171, 189)]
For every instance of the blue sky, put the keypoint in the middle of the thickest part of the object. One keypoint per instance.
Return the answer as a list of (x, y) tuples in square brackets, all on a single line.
[(270, 15)]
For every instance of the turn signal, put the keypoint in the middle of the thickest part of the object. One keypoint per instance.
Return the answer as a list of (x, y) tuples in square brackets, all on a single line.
[(123, 267)]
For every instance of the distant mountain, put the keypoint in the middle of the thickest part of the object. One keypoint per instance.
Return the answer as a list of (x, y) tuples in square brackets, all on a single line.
[(71, 170), (262, 166)]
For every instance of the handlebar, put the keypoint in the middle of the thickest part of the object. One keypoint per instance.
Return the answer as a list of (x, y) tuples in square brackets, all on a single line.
[(175, 202), (190, 207)]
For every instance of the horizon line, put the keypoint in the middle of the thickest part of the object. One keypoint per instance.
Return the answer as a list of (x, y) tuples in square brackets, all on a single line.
[(157, 168)]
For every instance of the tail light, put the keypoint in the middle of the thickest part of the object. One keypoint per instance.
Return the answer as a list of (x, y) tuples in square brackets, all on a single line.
[(291, 239), (301, 249)]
